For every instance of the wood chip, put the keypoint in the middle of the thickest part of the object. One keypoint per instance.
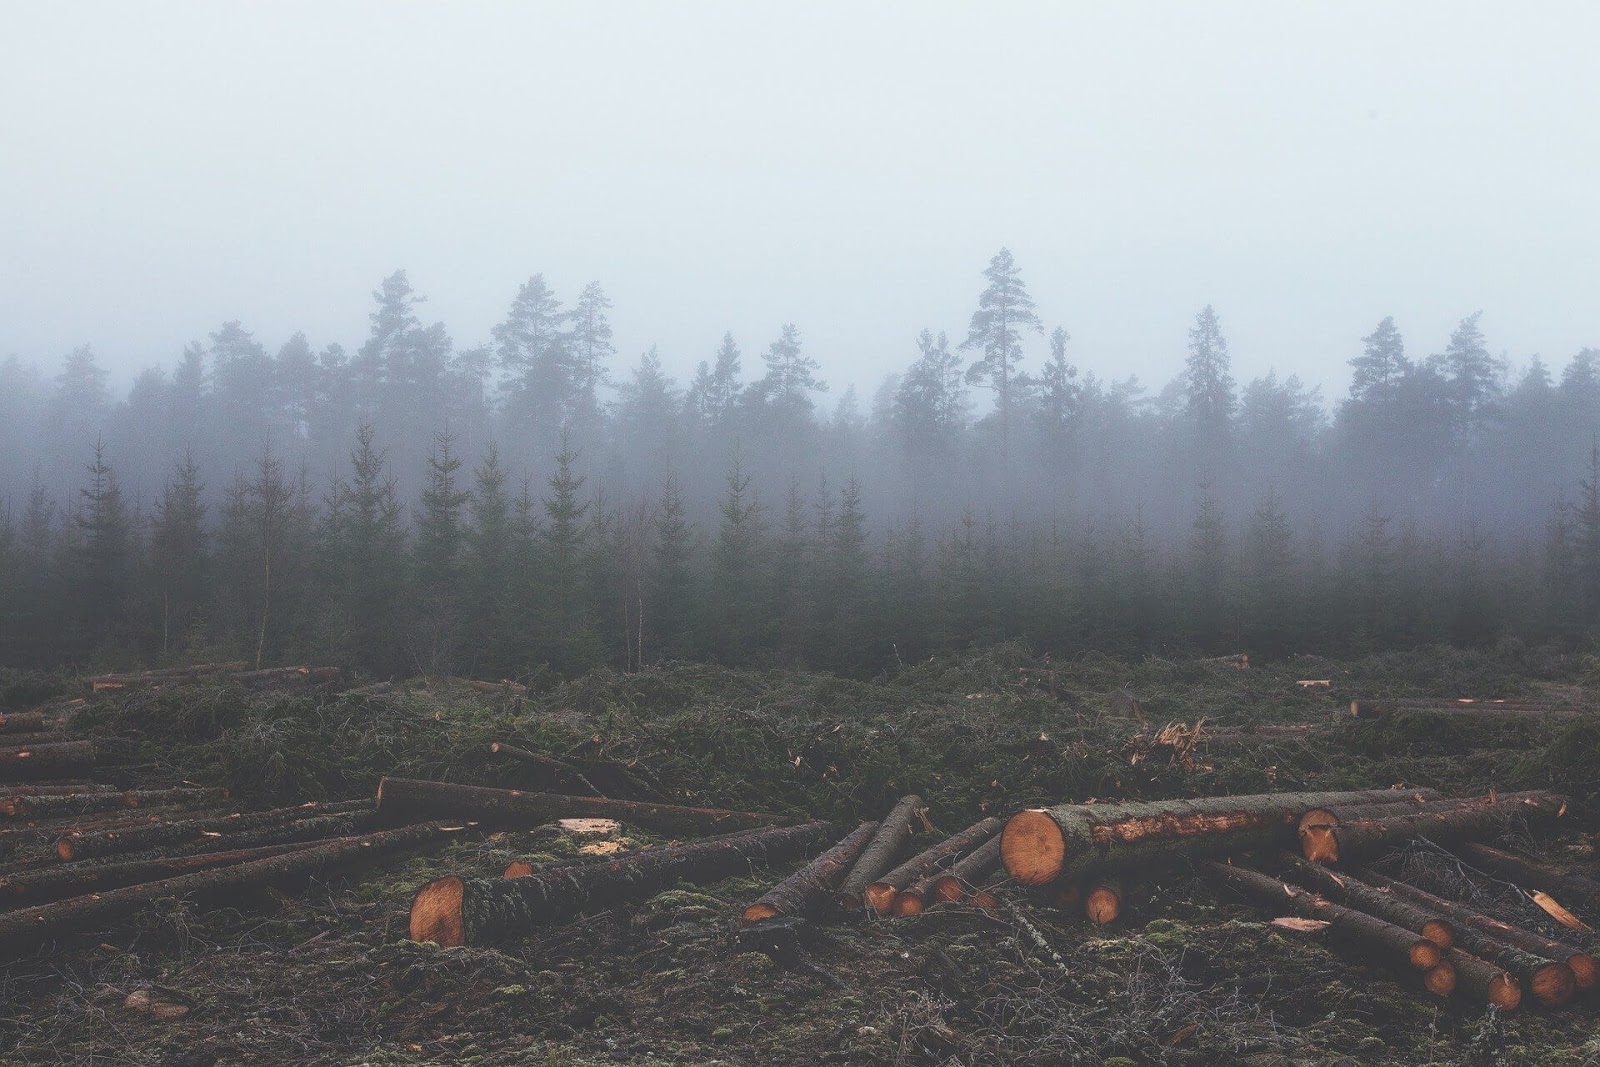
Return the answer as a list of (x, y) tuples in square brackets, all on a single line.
[(153, 1003), (1552, 907), (1296, 925), (590, 827)]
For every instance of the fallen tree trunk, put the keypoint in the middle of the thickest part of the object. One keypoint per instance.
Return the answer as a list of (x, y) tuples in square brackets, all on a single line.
[(987, 896), (478, 911), (23, 722), (1369, 934), (32, 925), (54, 789), (494, 688), (966, 875), (1042, 844), (811, 889), (42, 761), (1374, 709), (880, 894), (514, 807), (1344, 889), (40, 807), (1484, 983), (1419, 798), (285, 676), (1103, 902), (883, 850), (67, 880), (80, 846), (1348, 841), (564, 775), (1581, 891), (144, 679), (1316, 825), (1583, 967)]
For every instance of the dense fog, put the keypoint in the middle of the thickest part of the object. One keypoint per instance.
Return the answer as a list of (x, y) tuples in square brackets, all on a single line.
[(402, 501)]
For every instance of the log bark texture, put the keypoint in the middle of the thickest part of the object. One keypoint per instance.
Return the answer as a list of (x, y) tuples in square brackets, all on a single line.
[(30, 926), (1345, 889), (81, 846), (58, 760), (163, 676), (883, 851), (880, 894), (54, 789), (24, 722), (967, 874), (41, 807), (71, 879), (812, 890), (1350, 841), (1374, 709), (1482, 982), (514, 807), (1071, 840), (1574, 889), (478, 911), (562, 775)]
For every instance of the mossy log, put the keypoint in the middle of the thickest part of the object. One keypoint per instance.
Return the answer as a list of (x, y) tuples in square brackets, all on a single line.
[(1352, 840), (70, 879), (87, 845), (1342, 888), (24, 722), (561, 774), (22, 835), (92, 911), (813, 888), (1040, 845), (1104, 899), (879, 895), (1480, 933), (41, 807), (883, 851), (515, 807), (966, 874), (56, 760), (1371, 936), (1573, 889), (478, 911)]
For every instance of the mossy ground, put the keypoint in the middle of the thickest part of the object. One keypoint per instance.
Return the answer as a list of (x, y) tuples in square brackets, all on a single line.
[(327, 976)]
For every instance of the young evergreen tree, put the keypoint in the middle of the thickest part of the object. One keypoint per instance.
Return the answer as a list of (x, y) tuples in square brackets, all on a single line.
[(106, 554), (735, 606), (1586, 539), (1271, 586), (1207, 563), (671, 582), (532, 349), (439, 554), (1057, 413), (567, 634), (1005, 310), (366, 553), (178, 557), (1208, 381), (488, 607)]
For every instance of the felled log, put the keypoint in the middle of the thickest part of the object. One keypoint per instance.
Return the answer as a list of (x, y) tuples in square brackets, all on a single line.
[(966, 875), (1576, 889), (1484, 983), (1350, 840), (987, 896), (811, 889), (880, 894), (514, 807), (1345, 889), (1374, 709), (30, 926), (54, 789), (494, 688), (162, 676), (61, 759), (285, 676), (1330, 816), (479, 911), (313, 828), (23, 722), (1369, 934), (1582, 966), (1103, 902), (563, 774), (1042, 844), (883, 851), (38, 807), (67, 880), (86, 845)]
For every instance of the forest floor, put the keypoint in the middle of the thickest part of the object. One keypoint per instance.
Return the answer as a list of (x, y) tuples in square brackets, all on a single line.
[(328, 976)]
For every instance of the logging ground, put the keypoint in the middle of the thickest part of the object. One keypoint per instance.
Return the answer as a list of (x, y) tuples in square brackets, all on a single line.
[(327, 976)]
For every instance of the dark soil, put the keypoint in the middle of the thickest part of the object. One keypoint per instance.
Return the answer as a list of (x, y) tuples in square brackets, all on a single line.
[(327, 976)]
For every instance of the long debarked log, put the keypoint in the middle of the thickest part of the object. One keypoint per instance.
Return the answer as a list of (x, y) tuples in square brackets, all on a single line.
[(812, 889), (43, 807), (1042, 844), (1344, 889), (883, 851), (72, 879), (880, 893), (1574, 889), (1581, 965), (1349, 841), (23, 722), (478, 911), (1392, 944), (514, 807), (32, 925), (966, 875), (43, 761), (80, 846)]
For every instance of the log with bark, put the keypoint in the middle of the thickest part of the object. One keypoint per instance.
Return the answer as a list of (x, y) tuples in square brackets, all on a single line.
[(1575, 889), (87, 845), (514, 807), (966, 875), (454, 910), (30, 926), (1417, 798), (163, 676), (1374, 709), (987, 896), (272, 677), (883, 851), (1042, 844), (880, 894), (59, 760), (54, 789), (1482, 982), (40, 807), (24, 722), (812, 890), (71, 879), (507, 687), (1351, 840), (1342, 888), (1373, 936), (1479, 925), (1103, 903), (562, 775), (1317, 824)]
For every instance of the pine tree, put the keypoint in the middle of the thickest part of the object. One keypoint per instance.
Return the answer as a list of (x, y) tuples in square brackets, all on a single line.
[(1058, 395), (1376, 374), (785, 390), (1271, 590), (106, 552), (930, 404), (589, 345), (714, 396), (1004, 310), (1208, 381), (1586, 539), (1207, 562), (178, 558), (1473, 374), (532, 349)]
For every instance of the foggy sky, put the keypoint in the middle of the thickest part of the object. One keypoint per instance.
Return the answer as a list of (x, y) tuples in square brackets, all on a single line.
[(1306, 168)]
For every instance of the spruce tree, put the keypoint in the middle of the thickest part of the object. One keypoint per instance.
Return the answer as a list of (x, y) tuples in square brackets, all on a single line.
[(1005, 310), (439, 552), (178, 558), (106, 553), (366, 543), (671, 583), (1208, 380), (567, 636), (488, 579), (735, 606)]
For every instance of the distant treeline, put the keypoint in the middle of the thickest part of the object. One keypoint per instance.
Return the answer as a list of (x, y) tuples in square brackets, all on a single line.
[(496, 508)]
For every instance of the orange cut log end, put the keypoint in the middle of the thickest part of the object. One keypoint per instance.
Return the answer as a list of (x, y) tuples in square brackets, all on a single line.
[(1032, 847), (1102, 906), (908, 904), (880, 898), (757, 913), (1552, 985), (1425, 955), (1584, 971), (1439, 932), (436, 912), (519, 869)]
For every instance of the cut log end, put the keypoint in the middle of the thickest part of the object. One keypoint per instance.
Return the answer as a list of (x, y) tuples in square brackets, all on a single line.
[(753, 914), (947, 889), (65, 849), (1439, 932), (1320, 844), (1440, 980), (1425, 955), (1102, 905), (436, 912), (908, 904), (1552, 985), (1317, 817), (1032, 847), (1505, 993), (1584, 971), (519, 869), (880, 897)]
